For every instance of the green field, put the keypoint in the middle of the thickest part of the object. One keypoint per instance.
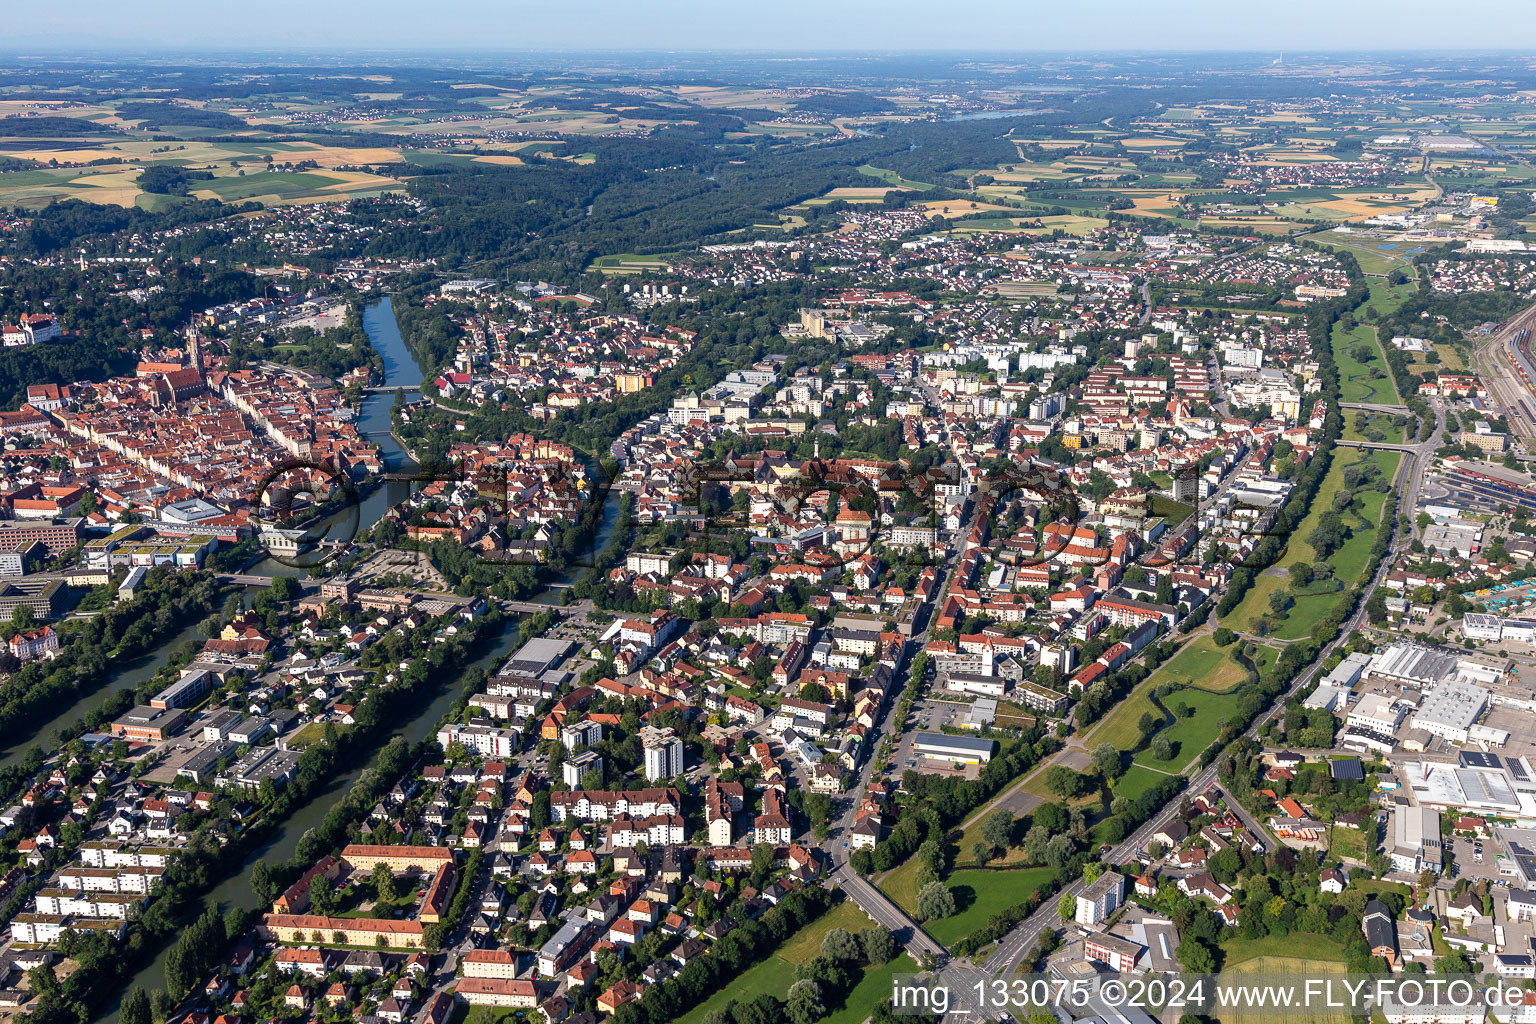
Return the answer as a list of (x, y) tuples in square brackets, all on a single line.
[(266, 183), (900, 884), (1204, 665), (1119, 726), (894, 179), (1175, 512), (1136, 781), (774, 975), (1375, 422), (979, 894), (1277, 955), (1347, 842), (1190, 736), (1367, 252), (1348, 562), (1366, 380)]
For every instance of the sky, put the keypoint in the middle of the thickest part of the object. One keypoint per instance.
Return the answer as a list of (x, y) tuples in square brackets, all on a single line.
[(770, 25)]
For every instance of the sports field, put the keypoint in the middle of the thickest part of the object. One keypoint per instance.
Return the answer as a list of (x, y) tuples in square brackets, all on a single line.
[(1276, 955)]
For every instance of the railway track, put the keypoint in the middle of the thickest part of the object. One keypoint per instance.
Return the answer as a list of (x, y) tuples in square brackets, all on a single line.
[(1511, 374)]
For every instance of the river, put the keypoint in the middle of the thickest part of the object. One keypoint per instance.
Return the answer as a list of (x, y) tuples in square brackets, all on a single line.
[(373, 421), (138, 670), (235, 891)]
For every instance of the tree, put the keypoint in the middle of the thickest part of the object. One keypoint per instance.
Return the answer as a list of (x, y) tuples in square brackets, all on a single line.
[(805, 1005), (1034, 844), (879, 945), (1195, 957), (1062, 781), (1106, 758), (135, 1008), (840, 944), (1162, 749), (1066, 907), (997, 828), (935, 900), (1059, 850), (322, 895), (383, 883)]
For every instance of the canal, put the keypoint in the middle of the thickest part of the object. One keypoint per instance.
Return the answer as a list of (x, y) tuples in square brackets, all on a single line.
[(136, 672), (374, 422), (235, 891)]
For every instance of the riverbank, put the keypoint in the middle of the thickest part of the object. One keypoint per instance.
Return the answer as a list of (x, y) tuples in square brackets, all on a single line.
[(231, 888)]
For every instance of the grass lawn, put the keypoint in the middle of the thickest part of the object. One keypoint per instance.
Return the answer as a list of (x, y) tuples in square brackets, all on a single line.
[(900, 884), (314, 732), (774, 975), (968, 838), (1376, 423), (979, 894), (1175, 512), (1204, 665), (805, 944), (1375, 886), (1347, 843), (1348, 562), (1364, 380), (1136, 781), (494, 1015), (1191, 735), (1119, 726), (872, 988)]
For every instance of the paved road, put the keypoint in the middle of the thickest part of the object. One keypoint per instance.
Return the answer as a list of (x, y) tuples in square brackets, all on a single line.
[(1375, 407), (869, 898), (1380, 446), (1019, 942)]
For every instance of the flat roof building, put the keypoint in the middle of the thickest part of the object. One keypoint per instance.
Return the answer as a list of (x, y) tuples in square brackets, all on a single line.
[(960, 749), (149, 724)]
